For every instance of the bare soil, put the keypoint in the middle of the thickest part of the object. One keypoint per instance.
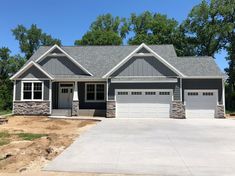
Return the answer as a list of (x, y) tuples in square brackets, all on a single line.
[(24, 157)]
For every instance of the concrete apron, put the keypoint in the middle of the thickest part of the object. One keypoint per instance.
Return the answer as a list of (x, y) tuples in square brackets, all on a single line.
[(197, 147)]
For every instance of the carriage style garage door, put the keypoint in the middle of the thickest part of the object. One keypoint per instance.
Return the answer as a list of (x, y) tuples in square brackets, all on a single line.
[(200, 103), (143, 103)]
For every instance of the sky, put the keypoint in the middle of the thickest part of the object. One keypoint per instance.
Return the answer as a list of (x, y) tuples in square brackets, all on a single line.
[(69, 20)]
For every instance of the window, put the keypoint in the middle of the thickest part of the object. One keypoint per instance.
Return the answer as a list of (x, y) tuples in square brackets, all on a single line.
[(150, 93), (192, 93), (122, 93), (136, 93), (95, 92), (207, 93), (32, 91), (164, 93)]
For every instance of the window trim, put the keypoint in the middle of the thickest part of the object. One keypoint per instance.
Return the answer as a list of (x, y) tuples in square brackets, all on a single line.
[(95, 100), (32, 91)]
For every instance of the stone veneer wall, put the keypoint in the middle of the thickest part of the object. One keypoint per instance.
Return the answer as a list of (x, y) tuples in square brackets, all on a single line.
[(219, 113), (177, 110), (31, 107), (75, 108), (111, 109)]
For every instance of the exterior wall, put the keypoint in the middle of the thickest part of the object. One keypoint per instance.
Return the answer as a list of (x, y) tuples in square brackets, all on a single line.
[(111, 109), (177, 110), (219, 113), (75, 108), (143, 50), (88, 105), (33, 72), (204, 84), (174, 86), (60, 66), (55, 95), (144, 66), (31, 107), (46, 89)]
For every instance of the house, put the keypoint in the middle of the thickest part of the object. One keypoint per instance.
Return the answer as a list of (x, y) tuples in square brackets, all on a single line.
[(118, 81)]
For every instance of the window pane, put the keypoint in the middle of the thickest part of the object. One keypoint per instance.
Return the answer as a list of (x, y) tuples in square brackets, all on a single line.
[(99, 96), (27, 86), (27, 95), (100, 87), (37, 95), (38, 86), (90, 88), (91, 96)]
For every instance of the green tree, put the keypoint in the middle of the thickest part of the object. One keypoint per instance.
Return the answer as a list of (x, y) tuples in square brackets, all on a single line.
[(30, 39), (155, 28), (105, 30), (8, 66)]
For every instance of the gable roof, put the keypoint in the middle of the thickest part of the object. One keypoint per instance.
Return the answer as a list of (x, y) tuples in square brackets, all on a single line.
[(99, 60), (29, 65)]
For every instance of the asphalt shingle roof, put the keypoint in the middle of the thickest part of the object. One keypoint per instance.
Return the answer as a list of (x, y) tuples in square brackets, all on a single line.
[(100, 59)]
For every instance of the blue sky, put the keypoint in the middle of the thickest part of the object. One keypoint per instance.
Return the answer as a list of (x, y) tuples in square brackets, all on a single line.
[(68, 20)]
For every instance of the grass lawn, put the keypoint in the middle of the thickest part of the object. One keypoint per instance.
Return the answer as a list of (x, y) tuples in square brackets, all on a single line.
[(3, 112)]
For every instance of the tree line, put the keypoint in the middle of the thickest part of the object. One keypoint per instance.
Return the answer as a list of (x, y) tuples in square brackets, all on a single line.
[(208, 29)]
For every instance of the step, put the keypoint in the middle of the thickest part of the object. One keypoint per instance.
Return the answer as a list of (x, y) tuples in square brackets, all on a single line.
[(61, 112), (92, 112)]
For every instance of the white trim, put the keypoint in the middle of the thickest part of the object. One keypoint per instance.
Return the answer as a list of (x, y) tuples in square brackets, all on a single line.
[(26, 67), (157, 90), (80, 80), (14, 91), (66, 54), (107, 90), (203, 77), (151, 51), (223, 95), (32, 91), (75, 91), (181, 96), (144, 81), (30, 79), (94, 93), (50, 96)]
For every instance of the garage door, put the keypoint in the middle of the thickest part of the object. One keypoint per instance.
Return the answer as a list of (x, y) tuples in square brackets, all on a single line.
[(143, 103), (200, 104)]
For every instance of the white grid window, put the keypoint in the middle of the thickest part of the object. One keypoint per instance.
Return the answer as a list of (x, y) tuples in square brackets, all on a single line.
[(95, 92), (32, 91)]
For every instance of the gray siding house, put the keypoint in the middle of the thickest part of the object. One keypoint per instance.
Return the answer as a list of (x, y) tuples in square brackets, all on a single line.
[(118, 81)]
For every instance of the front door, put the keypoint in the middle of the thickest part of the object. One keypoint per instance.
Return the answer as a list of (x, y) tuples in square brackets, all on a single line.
[(65, 96)]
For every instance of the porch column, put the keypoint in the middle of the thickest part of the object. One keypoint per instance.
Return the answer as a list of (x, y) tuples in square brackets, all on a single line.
[(75, 103)]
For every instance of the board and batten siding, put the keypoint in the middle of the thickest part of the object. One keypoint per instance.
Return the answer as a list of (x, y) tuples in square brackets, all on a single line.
[(144, 66), (205, 84), (46, 89), (61, 66), (174, 86), (33, 72)]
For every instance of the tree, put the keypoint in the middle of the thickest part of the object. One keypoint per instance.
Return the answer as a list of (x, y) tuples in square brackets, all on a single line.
[(155, 28), (106, 30), (30, 39), (8, 66)]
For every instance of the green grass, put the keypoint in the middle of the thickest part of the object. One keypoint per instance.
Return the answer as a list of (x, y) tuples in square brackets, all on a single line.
[(4, 135), (4, 112), (30, 136)]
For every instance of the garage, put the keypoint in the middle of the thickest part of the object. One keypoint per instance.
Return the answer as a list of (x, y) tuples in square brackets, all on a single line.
[(143, 103), (200, 103)]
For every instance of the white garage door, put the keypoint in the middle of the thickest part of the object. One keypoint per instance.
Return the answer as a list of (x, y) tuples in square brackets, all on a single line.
[(200, 104), (143, 103)]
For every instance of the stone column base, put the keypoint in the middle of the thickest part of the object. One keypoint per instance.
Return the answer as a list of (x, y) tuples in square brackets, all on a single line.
[(177, 110), (31, 107), (75, 108), (111, 109), (219, 112)]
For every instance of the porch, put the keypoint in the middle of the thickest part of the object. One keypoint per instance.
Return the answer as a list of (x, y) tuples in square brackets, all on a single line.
[(78, 99)]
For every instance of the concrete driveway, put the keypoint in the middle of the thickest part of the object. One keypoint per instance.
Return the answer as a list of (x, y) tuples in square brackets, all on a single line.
[(200, 147)]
